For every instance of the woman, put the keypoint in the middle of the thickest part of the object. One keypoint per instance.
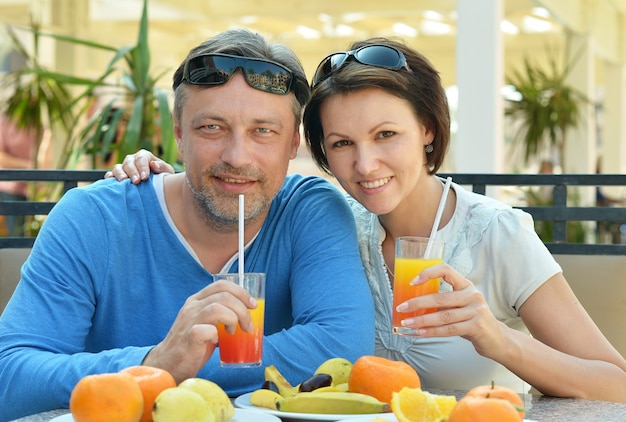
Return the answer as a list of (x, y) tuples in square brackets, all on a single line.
[(379, 122)]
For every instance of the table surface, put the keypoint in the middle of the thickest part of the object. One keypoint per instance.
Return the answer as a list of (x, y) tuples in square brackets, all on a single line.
[(539, 408)]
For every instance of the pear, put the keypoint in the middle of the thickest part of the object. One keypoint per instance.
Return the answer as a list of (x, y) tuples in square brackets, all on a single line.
[(181, 405), (338, 368), (218, 401)]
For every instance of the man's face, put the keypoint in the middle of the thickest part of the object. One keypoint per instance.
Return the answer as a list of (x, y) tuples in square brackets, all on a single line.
[(234, 140)]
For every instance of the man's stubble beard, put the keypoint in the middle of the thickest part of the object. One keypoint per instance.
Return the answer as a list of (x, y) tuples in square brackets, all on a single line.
[(225, 218)]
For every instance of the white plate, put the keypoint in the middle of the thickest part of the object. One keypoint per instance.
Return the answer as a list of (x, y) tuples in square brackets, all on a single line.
[(387, 416), (241, 415), (243, 401)]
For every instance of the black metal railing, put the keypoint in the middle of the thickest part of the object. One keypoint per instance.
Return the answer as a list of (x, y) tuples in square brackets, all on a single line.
[(69, 179), (559, 212)]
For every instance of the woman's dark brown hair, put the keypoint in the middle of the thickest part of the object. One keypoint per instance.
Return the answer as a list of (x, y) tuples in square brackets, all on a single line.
[(421, 88)]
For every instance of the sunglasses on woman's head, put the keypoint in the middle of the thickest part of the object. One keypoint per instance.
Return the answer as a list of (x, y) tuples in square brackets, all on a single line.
[(217, 69), (371, 55)]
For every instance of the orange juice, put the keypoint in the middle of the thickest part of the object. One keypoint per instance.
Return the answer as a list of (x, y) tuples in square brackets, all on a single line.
[(406, 269), (242, 348)]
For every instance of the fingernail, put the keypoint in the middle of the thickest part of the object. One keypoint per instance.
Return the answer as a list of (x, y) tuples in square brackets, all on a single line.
[(402, 307), (135, 178), (253, 302), (143, 175)]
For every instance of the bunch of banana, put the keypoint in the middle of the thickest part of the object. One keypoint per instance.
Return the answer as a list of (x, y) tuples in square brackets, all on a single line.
[(326, 392), (341, 403)]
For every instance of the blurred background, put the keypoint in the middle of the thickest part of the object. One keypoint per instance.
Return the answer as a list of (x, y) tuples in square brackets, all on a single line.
[(496, 58)]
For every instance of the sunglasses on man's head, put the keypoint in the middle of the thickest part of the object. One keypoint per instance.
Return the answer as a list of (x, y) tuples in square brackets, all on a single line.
[(371, 55), (217, 69)]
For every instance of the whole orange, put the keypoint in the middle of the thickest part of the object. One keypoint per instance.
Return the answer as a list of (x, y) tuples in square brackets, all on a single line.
[(106, 397), (151, 381), (480, 409), (499, 392), (380, 377)]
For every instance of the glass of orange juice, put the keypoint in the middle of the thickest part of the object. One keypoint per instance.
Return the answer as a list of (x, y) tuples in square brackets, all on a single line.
[(243, 349), (410, 260)]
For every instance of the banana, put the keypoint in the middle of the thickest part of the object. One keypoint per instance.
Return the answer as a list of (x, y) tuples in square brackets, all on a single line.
[(284, 388), (341, 403), (265, 398)]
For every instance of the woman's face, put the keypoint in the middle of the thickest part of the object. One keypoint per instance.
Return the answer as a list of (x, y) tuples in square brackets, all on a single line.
[(375, 147)]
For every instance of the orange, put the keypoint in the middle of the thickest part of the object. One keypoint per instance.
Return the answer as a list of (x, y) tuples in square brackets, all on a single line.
[(106, 397), (380, 377), (498, 392), (478, 409), (415, 405), (151, 381)]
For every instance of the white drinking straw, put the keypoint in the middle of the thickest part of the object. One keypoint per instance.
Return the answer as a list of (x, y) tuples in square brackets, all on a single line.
[(241, 230), (442, 205)]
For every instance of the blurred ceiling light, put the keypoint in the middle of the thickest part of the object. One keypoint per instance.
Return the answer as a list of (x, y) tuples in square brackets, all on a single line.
[(353, 17), (248, 20), (342, 30), (530, 24), (308, 33), (404, 30), (435, 28), (432, 15), (324, 17), (542, 12), (508, 27)]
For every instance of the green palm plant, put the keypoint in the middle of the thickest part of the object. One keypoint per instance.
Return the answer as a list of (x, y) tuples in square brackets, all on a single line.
[(140, 104), (546, 106)]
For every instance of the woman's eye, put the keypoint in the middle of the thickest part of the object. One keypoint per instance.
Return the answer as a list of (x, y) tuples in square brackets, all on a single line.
[(386, 134), (341, 143)]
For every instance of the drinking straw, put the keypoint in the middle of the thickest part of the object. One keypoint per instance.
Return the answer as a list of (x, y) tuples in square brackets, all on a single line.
[(442, 205), (241, 220)]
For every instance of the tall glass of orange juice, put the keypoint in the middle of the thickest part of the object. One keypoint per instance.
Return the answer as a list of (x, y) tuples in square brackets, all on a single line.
[(242, 349), (410, 260)]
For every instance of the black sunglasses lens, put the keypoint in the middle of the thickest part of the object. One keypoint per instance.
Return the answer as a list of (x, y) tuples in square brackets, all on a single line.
[(210, 70), (267, 76), (379, 55), (260, 74), (328, 65)]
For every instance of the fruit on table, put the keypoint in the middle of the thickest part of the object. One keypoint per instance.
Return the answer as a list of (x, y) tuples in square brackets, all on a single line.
[(216, 398), (416, 405), (500, 392), (285, 389), (151, 381), (315, 382), (332, 403), (380, 377), (106, 397), (181, 405), (338, 368), (265, 398), (480, 409)]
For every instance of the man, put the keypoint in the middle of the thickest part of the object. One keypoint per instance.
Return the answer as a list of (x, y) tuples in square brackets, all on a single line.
[(121, 274)]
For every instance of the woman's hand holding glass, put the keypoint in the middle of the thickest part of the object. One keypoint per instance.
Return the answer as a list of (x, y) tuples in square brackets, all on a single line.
[(192, 339), (460, 312)]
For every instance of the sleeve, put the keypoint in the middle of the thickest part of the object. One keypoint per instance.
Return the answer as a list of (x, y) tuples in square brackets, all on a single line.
[(520, 262), (44, 326), (332, 311)]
